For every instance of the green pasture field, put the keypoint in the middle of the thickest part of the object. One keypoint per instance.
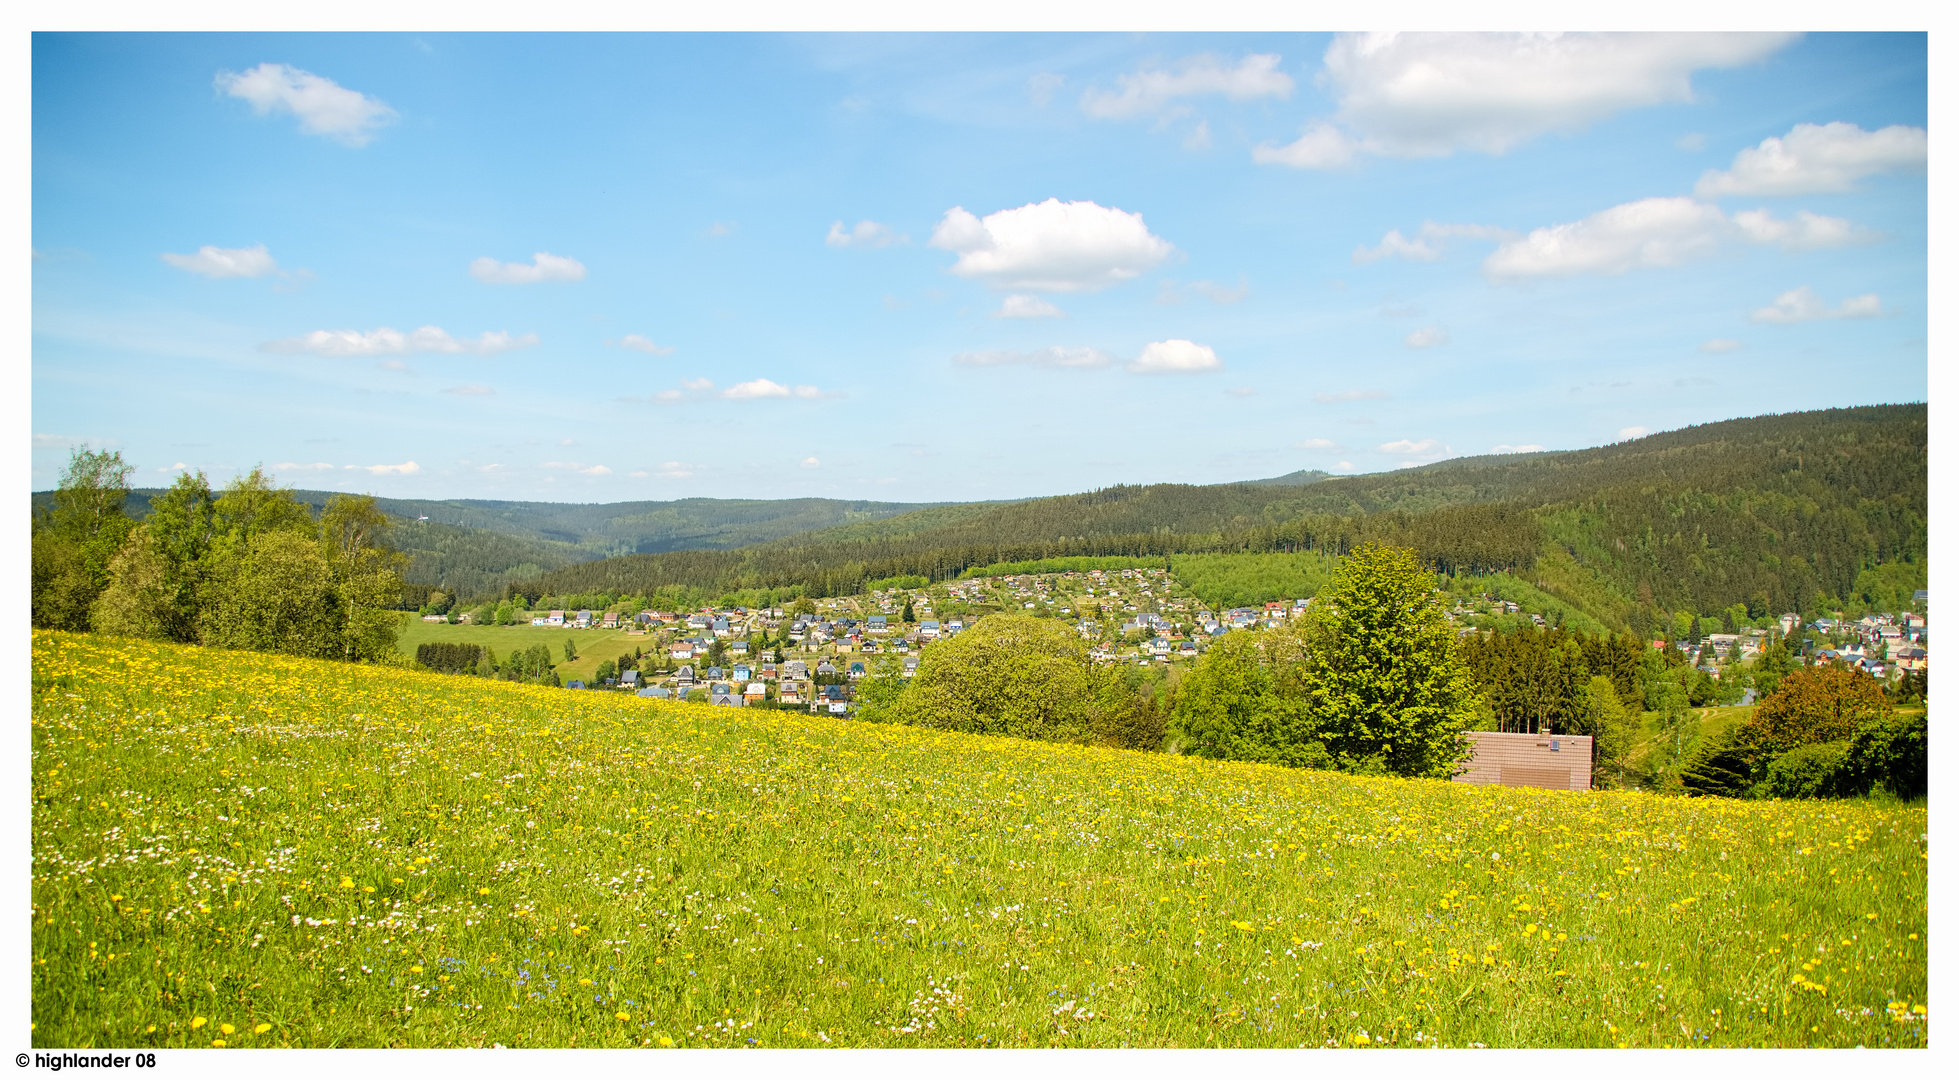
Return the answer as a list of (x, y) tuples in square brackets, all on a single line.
[(247, 850), (593, 646)]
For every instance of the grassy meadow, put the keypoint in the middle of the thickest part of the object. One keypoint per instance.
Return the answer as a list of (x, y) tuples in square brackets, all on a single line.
[(250, 850), (594, 645)]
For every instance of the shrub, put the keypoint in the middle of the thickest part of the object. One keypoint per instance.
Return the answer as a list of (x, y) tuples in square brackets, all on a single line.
[(1811, 771), (1006, 675), (1891, 751), (1812, 705)]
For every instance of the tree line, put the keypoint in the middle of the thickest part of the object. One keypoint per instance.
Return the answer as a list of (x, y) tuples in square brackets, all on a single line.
[(246, 567)]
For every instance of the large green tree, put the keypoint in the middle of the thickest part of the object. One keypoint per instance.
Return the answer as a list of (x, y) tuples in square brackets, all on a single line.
[(1384, 680), (1005, 675), (77, 538)]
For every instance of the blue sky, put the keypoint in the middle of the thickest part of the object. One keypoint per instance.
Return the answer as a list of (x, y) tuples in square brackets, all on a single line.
[(953, 266)]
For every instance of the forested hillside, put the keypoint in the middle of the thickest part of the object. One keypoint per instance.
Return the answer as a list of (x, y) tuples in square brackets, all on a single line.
[(1779, 512)]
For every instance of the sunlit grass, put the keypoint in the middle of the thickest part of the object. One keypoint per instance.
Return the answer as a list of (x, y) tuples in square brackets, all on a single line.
[(266, 851)]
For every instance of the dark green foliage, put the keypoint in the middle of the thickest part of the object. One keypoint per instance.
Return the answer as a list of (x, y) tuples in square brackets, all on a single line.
[(1768, 513), (449, 657), (1535, 680), (76, 537), (1719, 765), (1891, 752), (1815, 771)]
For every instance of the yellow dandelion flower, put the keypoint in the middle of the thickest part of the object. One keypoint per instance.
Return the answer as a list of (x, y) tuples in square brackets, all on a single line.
[(621, 1016), (416, 968), (197, 1022), (346, 883), (261, 1029), (584, 982), (664, 1041), (483, 892), (226, 1028)]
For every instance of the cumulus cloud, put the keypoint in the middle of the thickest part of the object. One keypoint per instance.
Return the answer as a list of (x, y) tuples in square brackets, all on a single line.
[(1634, 432), (1524, 448), (1817, 158), (697, 385), (643, 344), (677, 470), (471, 390), (323, 106), (1319, 146), (865, 234), (1316, 444), (755, 388), (217, 262), (543, 266), (1175, 356), (811, 463), (1054, 356), (406, 468), (290, 466), (1151, 89), (1023, 306), (1803, 305), (386, 340), (1721, 345), (1657, 232), (1329, 398), (1431, 94), (1807, 232), (1427, 337), (1050, 246), (1428, 243)]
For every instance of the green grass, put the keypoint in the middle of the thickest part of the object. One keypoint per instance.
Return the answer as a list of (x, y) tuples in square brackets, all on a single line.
[(362, 856), (593, 646)]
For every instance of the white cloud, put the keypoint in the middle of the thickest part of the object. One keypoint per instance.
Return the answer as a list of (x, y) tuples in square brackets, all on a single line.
[(1808, 232), (811, 463), (323, 106), (1320, 146), (1041, 88), (472, 390), (1056, 356), (1803, 305), (639, 474), (1721, 345), (1149, 90), (1427, 246), (1316, 444), (1431, 94), (217, 262), (1817, 158), (394, 365), (543, 266), (1525, 448), (386, 340), (677, 470), (1657, 232), (1050, 246), (1427, 337), (668, 397), (404, 469), (1634, 432), (644, 344), (803, 391), (289, 466), (865, 234), (596, 470), (755, 388), (1175, 355), (1650, 232), (42, 438), (1199, 137), (1328, 398), (1692, 142), (1414, 448), (1023, 306), (180, 465), (697, 385), (1344, 465)]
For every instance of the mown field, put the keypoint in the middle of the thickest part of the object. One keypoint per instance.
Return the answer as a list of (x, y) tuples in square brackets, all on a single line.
[(594, 645), (252, 851)]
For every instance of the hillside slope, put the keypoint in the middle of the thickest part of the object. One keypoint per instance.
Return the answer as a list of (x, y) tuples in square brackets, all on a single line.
[(1781, 511)]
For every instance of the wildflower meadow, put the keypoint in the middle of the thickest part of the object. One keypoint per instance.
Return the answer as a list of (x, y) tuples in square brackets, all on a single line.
[(247, 850)]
